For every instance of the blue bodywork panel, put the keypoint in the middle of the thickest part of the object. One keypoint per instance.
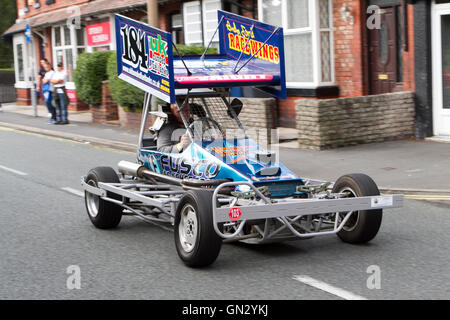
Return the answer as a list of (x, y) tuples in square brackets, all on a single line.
[(235, 160)]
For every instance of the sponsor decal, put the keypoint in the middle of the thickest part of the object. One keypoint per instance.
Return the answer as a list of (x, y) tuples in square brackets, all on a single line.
[(237, 38), (234, 154), (235, 213), (182, 168), (145, 57)]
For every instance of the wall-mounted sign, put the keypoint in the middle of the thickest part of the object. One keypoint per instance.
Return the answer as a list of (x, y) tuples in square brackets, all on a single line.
[(98, 34), (28, 33)]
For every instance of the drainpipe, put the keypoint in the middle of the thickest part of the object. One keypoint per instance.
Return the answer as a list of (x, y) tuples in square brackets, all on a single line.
[(152, 13), (153, 20)]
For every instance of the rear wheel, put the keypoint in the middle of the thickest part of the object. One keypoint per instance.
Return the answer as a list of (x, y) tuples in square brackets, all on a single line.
[(363, 225), (103, 214), (197, 243)]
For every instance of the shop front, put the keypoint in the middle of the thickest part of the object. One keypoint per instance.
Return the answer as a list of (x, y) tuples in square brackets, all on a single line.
[(60, 35)]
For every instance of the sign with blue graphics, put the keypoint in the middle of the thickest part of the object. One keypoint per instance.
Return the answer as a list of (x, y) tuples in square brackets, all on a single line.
[(144, 57), (243, 38), (28, 33)]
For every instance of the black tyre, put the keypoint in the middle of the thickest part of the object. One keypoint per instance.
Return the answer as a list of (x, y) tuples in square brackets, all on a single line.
[(198, 245), (362, 225), (103, 214)]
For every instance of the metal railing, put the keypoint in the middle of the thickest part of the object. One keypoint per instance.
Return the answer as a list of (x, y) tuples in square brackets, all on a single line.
[(7, 94)]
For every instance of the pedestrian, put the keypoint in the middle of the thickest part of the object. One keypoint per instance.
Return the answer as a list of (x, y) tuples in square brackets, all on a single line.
[(61, 99), (40, 78), (47, 91)]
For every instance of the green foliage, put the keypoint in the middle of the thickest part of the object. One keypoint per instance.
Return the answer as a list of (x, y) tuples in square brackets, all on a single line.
[(124, 94), (89, 74), (131, 98), (8, 16), (193, 50)]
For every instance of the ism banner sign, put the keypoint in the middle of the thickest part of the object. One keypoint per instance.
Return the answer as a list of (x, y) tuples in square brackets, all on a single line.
[(145, 58)]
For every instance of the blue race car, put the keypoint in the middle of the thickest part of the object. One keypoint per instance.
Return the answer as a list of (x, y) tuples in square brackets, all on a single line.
[(223, 186)]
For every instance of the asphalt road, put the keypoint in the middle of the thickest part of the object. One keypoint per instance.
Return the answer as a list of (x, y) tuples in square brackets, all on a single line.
[(44, 229)]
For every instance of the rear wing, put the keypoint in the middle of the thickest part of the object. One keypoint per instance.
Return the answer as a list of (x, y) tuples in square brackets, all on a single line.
[(251, 54)]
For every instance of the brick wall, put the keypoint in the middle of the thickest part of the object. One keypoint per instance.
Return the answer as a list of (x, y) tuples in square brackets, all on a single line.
[(58, 4), (23, 97), (332, 123), (348, 49), (258, 115), (286, 112), (408, 56), (131, 120), (108, 110), (164, 14)]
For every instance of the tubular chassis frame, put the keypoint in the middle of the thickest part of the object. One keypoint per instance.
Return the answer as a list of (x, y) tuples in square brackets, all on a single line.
[(263, 219)]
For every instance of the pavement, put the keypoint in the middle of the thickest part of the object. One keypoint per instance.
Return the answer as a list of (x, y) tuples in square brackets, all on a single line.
[(417, 167)]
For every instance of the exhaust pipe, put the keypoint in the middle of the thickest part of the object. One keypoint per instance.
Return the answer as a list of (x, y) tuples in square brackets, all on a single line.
[(140, 171)]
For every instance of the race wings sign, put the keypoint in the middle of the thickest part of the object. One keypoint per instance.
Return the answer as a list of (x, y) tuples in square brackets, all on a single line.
[(144, 58)]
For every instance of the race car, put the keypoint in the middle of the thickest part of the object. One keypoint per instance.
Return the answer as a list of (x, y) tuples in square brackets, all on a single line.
[(224, 186)]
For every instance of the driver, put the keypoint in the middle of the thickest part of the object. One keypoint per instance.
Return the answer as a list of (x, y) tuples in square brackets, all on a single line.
[(172, 137)]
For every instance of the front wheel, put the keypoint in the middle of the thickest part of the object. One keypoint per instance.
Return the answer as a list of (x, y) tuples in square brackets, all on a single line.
[(363, 225), (198, 245), (103, 214)]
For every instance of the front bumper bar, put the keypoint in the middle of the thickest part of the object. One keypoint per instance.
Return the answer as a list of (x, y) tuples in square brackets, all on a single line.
[(284, 208)]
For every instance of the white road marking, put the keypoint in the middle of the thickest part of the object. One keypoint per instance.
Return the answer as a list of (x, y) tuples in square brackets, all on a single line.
[(74, 191), (328, 288), (13, 171)]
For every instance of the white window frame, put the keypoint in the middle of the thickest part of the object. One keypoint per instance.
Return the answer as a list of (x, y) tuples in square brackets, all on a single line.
[(204, 31), (73, 46), (315, 30), (20, 39), (206, 37), (187, 39), (441, 116)]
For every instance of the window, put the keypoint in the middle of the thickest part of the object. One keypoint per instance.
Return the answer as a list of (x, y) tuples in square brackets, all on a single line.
[(68, 42), (210, 22), (192, 23), (20, 67), (176, 27), (308, 38), (200, 21), (21, 60)]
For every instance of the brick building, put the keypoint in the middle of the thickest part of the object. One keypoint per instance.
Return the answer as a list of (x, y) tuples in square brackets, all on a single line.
[(334, 48)]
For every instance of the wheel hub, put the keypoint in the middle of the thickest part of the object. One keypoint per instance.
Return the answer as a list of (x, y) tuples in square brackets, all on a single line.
[(188, 228), (92, 201)]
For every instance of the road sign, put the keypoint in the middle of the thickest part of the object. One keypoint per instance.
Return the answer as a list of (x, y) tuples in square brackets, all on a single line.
[(28, 33)]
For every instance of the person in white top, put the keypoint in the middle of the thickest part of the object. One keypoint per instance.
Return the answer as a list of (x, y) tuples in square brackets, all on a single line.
[(59, 83), (47, 89)]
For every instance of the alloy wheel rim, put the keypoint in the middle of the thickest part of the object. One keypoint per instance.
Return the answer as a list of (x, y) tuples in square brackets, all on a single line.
[(352, 222), (93, 201), (188, 228)]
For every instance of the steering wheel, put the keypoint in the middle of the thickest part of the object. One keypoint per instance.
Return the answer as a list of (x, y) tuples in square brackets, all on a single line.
[(208, 125)]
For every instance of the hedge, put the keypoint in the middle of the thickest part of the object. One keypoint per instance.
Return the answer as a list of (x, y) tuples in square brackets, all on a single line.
[(193, 50), (129, 97), (89, 74), (124, 94)]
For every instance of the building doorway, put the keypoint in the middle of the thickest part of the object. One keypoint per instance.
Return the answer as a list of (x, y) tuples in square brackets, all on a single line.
[(385, 52), (441, 68)]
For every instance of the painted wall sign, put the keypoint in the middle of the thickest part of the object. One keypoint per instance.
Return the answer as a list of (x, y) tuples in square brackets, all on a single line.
[(98, 34)]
